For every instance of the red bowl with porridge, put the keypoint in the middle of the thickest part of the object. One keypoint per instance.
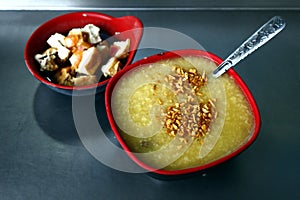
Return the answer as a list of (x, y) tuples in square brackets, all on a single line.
[(172, 117)]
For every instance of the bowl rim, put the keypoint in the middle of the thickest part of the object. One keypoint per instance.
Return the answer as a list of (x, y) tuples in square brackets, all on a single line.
[(139, 32), (175, 54)]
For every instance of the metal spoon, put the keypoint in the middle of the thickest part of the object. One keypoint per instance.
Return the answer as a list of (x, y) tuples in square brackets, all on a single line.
[(259, 38)]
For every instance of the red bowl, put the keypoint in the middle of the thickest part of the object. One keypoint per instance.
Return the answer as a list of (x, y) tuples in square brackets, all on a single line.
[(176, 54), (122, 28)]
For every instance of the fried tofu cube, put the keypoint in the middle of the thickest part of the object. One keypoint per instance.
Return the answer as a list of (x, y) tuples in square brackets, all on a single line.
[(63, 76), (111, 67), (47, 59)]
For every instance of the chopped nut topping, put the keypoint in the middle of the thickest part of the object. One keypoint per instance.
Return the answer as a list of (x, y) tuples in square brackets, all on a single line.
[(160, 102), (184, 80), (189, 118)]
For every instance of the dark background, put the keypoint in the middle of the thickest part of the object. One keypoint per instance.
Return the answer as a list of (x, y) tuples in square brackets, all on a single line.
[(42, 157)]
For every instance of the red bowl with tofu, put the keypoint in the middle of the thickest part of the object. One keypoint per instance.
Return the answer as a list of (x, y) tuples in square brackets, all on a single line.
[(84, 62)]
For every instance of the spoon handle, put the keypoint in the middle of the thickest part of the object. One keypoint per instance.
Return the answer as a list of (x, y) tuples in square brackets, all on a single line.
[(259, 38)]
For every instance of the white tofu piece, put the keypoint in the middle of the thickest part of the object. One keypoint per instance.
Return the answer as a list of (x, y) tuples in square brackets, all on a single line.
[(75, 59), (75, 31), (91, 59), (84, 80), (103, 48), (122, 48), (94, 33), (63, 53), (57, 41), (111, 67)]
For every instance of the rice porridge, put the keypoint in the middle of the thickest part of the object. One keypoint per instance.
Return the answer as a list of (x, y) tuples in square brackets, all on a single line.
[(174, 115)]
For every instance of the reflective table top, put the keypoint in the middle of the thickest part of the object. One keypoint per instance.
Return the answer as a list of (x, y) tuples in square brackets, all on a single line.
[(42, 157)]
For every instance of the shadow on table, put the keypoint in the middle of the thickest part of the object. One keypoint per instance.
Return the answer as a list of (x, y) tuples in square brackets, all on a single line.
[(53, 113)]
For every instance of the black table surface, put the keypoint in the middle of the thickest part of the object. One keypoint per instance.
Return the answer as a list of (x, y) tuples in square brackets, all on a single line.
[(42, 157)]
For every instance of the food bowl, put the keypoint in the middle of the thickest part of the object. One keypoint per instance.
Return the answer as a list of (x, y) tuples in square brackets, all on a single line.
[(121, 28), (227, 122)]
